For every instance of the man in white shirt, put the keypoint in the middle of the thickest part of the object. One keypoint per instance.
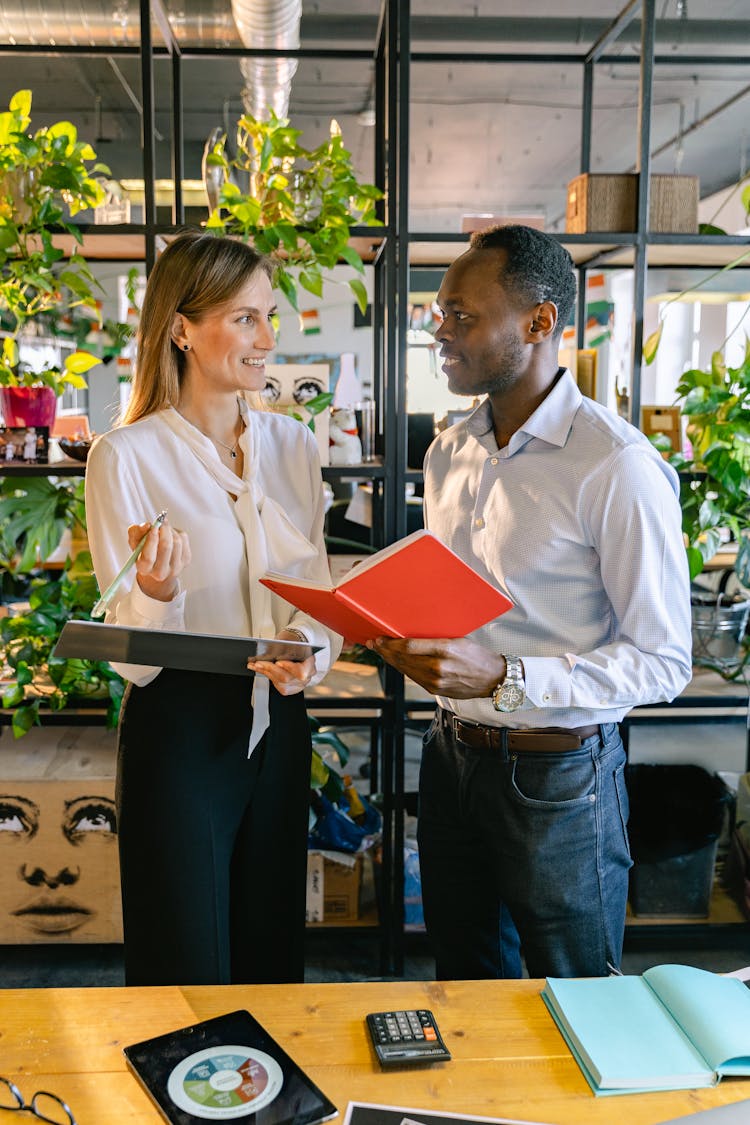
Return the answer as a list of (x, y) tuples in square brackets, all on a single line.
[(573, 514)]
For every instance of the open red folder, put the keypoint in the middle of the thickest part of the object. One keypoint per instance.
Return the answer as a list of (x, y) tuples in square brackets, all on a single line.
[(417, 587)]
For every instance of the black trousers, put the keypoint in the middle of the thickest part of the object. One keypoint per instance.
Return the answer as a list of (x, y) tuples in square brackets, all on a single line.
[(213, 845)]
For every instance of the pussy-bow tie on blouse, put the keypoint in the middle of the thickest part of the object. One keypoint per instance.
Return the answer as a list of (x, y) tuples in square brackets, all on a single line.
[(272, 541)]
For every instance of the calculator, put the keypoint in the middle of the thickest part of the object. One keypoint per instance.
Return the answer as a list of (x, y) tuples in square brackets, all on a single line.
[(406, 1037)]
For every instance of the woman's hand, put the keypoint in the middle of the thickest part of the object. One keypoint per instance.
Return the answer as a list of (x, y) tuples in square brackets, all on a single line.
[(288, 676), (165, 555)]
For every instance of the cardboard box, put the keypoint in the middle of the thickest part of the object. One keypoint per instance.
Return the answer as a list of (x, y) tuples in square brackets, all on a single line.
[(60, 872), (340, 886), (602, 202)]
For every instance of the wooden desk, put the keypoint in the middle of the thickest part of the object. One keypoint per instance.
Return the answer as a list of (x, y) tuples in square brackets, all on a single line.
[(508, 1057)]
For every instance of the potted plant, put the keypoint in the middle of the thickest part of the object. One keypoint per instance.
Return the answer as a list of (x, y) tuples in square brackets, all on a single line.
[(29, 398), (33, 677), (295, 204), (715, 498), (46, 178)]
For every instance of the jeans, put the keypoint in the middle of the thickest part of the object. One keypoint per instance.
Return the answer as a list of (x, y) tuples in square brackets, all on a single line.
[(536, 837)]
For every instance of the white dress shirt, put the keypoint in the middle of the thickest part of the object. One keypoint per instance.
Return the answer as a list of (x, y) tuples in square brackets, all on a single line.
[(275, 523), (578, 521)]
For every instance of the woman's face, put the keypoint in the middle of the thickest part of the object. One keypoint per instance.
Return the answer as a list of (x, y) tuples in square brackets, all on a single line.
[(228, 347), (59, 860)]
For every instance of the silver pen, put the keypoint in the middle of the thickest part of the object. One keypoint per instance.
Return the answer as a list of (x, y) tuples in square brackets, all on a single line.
[(111, 590)]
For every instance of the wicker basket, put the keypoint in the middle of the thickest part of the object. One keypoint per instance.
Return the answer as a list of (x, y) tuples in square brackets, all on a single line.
[(604, 202)]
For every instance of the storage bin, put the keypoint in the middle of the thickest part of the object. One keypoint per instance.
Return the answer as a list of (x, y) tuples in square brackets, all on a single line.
[(603, 202), (676, 816)]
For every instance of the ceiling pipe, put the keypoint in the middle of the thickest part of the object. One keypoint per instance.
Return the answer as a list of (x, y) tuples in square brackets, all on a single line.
[(268, 24), (93, 22)]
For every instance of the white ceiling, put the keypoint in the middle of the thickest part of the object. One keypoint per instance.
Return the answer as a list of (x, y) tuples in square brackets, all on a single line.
[(500, 137)]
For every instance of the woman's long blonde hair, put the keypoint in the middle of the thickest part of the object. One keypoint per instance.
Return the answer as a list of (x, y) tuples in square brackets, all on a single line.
[(196, 273)]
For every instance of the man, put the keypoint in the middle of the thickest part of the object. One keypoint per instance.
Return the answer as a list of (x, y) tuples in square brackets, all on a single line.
[(573, 514)]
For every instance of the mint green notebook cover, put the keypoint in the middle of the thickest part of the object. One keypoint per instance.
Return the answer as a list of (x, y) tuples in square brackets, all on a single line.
[(625, 1040)]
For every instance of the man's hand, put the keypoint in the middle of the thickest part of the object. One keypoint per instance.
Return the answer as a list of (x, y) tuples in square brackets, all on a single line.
[(458, 668)]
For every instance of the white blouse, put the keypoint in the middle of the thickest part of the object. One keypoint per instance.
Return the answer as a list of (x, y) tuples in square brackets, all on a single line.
[(276, 523)]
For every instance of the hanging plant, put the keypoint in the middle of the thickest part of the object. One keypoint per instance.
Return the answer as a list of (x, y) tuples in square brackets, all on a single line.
[(46, 178), (297, 204)]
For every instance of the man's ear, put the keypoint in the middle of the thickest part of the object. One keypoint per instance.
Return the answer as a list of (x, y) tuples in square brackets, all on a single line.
[(542, 323)]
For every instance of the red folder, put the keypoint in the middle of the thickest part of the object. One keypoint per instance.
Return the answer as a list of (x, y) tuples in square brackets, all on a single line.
[(417, 587)]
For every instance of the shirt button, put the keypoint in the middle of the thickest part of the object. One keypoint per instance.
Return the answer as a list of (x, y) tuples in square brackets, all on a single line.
[(493, 461), (479, 522)]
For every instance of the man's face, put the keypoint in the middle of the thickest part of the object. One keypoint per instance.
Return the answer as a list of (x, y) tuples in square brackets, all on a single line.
[(483, 332)]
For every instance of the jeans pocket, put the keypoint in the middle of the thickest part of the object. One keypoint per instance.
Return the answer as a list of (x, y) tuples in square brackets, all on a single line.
[(554, 780), (623, 802)]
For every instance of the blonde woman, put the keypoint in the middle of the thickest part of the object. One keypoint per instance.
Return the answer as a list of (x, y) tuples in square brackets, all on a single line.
[(213, 770)]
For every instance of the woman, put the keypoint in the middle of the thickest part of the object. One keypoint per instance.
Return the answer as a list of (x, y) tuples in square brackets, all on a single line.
[(213, 770)]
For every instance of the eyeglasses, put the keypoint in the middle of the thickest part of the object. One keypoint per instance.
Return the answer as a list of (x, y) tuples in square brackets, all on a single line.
[(44, 1106)]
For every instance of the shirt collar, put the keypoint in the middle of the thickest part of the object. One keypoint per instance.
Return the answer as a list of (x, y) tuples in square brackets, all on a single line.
[(550, 422)]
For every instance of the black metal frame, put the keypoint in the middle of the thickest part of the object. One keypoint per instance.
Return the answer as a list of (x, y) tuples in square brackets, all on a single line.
[(393, 59)]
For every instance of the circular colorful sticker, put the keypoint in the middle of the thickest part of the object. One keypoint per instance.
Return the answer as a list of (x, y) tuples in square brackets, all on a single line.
[(223, 1083)]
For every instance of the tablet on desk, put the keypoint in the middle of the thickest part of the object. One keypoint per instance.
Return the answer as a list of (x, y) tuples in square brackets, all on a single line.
[(193, 652), (226, 1069)]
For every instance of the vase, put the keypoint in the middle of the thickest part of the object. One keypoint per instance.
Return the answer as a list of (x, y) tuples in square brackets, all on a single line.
[(28, 406)]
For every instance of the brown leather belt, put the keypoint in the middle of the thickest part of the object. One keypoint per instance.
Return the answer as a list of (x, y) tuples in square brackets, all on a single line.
[(480, 737)]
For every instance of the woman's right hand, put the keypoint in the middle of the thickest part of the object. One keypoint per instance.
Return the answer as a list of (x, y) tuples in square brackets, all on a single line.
[(165, 554)]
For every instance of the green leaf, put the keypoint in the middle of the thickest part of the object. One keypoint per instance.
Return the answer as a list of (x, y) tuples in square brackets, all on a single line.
[(311, 279), (709, 228), (695, 562), (360, 293), (318, 771), (20, 103), (350, 255), (651, 346), (78, 362), (24, 718), (287, 286)]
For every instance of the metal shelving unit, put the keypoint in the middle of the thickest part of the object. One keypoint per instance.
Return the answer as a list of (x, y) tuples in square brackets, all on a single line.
[(395, 252)]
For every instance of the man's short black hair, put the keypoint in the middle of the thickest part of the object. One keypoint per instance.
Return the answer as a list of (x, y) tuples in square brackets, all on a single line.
[(537, 267)]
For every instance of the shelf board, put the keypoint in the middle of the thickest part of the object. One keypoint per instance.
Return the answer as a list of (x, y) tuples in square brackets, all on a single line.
[(722, 911), (127, 243), (54, 469), (602, 249)]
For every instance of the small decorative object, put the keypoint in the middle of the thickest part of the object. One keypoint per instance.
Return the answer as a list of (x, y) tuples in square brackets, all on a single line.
[(77, 448), (301, 390), (663, 420), (343, 436), (23, 445)]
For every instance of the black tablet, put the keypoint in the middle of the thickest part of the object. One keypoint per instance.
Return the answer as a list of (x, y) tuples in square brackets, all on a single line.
[(226, 1069), (194, 652)]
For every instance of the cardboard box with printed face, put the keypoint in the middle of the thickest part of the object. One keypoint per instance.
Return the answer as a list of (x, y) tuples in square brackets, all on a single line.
[(59, 867)]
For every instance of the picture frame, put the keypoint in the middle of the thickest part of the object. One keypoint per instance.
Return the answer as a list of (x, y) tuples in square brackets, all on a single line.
[(663, 420), (24, 445)]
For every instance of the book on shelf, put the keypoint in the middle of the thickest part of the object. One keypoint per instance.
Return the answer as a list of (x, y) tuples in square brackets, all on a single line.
[(417, 587), (673, 1028)]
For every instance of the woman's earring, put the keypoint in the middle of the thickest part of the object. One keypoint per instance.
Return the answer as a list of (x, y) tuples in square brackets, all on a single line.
[(186, 347)]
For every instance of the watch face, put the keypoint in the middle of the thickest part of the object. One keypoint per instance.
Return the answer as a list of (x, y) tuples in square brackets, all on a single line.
[(510, 697)]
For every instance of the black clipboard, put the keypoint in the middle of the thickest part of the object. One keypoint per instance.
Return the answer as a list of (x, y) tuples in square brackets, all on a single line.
[(192, 652)]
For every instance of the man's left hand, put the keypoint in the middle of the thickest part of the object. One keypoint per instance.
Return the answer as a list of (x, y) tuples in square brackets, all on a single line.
[(458, 668)]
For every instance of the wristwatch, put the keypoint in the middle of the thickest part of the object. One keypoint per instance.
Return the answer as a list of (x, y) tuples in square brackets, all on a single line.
[(510, 693)]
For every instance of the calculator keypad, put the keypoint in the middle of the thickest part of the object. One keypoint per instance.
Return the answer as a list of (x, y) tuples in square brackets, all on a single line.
[(406, 1036)]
